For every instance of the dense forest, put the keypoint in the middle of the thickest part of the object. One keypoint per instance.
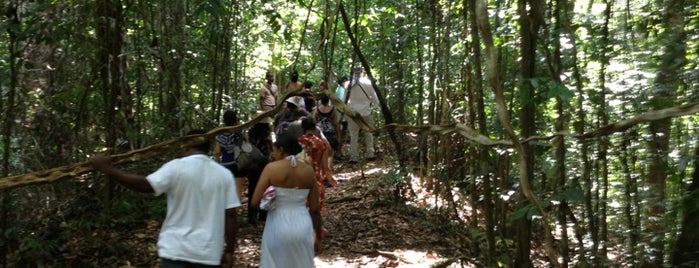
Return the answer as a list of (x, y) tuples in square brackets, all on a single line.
[(560, 133)]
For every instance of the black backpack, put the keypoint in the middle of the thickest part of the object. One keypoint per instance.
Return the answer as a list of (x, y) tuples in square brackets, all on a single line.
[(325, 121)]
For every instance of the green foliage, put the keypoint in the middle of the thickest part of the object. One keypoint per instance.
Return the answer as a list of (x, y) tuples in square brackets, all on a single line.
[(423, 58), (273, 19), (124, 212), (529, 211), (574, 195), (690, 203), (36, 251), (477, 235)]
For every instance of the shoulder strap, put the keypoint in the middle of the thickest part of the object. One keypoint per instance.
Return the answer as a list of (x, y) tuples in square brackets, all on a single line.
[(269, 89), (361, 87)]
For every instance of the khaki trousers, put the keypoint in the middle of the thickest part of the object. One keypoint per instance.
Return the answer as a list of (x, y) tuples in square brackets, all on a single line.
[(354, 129)]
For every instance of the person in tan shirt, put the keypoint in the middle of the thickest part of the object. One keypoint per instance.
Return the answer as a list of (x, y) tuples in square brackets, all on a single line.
[(268, 93)]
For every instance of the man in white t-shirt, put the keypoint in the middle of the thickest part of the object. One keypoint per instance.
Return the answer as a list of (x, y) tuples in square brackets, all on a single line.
[(362, 99), (201, 202)]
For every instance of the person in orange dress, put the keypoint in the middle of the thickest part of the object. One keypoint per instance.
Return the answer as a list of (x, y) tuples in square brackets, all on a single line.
[(317, 154)]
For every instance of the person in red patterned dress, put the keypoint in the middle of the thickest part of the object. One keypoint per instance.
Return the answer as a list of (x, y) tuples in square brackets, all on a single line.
[(317, 154)]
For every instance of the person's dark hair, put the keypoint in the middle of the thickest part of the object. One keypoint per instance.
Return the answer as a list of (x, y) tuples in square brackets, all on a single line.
[(205, 146), (325, 100), (308, 84), (287, 143), (230, 118), (299, 113), (307, 123), (343, 79), (294, 76), (259, 131)]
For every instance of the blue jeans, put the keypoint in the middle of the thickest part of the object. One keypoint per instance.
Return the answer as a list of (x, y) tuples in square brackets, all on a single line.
[(183, 264)]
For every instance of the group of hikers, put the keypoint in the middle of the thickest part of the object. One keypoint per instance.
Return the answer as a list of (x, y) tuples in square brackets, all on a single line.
[(286, 192)]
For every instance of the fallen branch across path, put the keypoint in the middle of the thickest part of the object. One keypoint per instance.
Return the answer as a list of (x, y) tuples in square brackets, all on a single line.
[(55, 174)]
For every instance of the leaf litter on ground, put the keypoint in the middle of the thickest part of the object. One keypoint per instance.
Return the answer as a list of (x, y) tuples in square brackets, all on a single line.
[(361, 232)]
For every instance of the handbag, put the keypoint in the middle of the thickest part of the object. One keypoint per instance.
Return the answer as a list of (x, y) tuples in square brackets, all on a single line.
[(267, 202), (248, 158)]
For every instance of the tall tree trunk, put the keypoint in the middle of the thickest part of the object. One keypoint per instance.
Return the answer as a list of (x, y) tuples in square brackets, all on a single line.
[(110, 62), (530, 19), (628, 160), (238, 26), (495, 80), (634, 180), (583, 180), (446, 93), (471, 118), (9, 103), (478, 109), (686, 248), (399, 66), (472, 159), (172, 22), (422, 142), (324, 46), (556, 68), (8, 125), (603, 144), (673, 59), (221, 60), (430, 144)]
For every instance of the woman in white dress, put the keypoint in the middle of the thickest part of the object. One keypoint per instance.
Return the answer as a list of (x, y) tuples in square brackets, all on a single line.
[(292, 234)]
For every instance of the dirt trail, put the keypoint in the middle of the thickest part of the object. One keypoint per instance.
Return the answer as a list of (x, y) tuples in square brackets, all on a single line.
[(362, 233)]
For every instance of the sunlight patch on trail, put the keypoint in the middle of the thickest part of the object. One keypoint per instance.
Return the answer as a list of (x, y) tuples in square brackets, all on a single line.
[(398, 258), (345, 176)]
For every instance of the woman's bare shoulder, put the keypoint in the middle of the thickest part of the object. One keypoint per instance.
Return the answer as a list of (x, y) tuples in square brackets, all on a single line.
[(306, 168), (306, 173), (279, 164)]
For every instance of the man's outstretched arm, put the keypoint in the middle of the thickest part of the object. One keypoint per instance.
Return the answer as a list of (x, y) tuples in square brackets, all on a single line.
[(132, 181)]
